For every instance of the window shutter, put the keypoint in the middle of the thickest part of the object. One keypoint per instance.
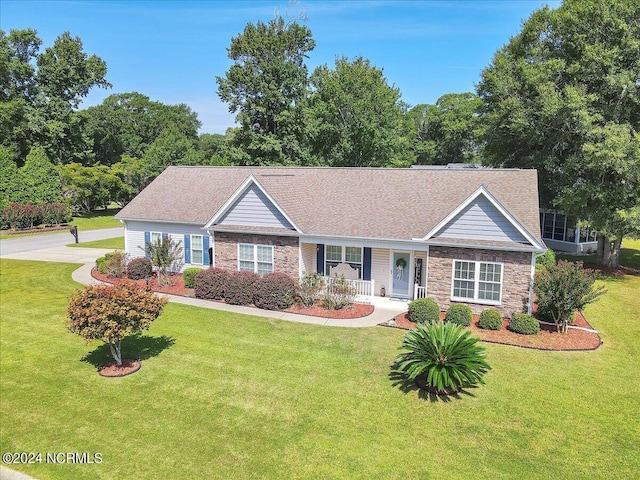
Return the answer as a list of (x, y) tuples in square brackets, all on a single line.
[(366, 264), (165, 236), (205, 248), (320, 258), (147, 241), (187, 249)]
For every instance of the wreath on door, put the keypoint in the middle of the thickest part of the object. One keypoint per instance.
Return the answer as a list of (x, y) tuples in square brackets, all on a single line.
[(401, 262)]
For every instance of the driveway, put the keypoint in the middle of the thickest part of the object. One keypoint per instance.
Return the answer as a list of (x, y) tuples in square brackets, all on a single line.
[(32, 243)]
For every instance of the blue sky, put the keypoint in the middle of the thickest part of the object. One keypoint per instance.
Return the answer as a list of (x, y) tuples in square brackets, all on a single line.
[(172, 51)]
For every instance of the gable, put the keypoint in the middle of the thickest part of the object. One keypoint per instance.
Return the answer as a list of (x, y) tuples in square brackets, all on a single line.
[(481, 220), (253, 208)]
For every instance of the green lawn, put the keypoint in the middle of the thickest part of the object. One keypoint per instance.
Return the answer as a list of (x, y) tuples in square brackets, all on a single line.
[(230, 396), (97, 219), (116, 243)]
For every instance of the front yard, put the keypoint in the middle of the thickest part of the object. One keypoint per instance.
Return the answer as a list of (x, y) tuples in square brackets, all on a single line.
[(225, 396)]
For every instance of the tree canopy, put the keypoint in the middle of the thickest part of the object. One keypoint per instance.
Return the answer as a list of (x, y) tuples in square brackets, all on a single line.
[(265, 86), (563, 96), (355, 117)]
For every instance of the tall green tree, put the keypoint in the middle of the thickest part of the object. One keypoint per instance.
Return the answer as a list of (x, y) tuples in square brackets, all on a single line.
[(11, 185), (265, 87), (446, 132), (129, 123), (41, 92), (18, 89), (39, 179), (356, 118), (563, 96)]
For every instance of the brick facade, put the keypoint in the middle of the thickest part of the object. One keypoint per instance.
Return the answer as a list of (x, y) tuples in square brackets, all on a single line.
[(285, 251), (516, 276)]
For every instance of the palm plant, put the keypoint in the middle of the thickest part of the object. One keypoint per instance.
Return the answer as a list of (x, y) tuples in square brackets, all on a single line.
[(445, 355)]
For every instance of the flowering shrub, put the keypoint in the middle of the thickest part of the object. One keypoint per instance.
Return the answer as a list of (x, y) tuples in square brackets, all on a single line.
[(27, 215), (310, 287), (338, 294)]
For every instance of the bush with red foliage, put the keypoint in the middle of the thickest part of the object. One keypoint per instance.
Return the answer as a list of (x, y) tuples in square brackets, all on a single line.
[(275, 291), (241, 287), (210, 284)]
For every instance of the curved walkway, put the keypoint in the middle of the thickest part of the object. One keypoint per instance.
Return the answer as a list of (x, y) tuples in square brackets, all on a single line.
[(87, 256)]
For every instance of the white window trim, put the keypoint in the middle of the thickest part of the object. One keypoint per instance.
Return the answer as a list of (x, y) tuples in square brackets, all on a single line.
[(199, 250), (343, 257), (151, 234), (476, 282), (255, 256)]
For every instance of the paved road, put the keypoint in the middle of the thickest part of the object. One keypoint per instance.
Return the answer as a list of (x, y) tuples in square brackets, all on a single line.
[(12, 246)]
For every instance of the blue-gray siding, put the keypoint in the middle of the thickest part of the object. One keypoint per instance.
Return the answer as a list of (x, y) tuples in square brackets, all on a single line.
[(481, 220), (254, 209)]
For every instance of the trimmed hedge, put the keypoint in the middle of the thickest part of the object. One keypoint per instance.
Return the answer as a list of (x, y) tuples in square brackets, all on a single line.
[(275, 291), (240, 288), (490, 319), (139, 268), (101, 262), (524, 324), (211, 283), (460, 314), (424, 310), (189, 276)]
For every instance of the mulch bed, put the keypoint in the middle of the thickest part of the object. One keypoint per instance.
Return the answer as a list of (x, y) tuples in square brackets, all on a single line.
[(355, 310), (547, 339), (58, 228), (127, 368), (176, 288)]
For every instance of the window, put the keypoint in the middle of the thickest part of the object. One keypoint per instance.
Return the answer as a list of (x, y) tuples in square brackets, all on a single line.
[(255, 258), (197, 253), (477, 281), (156, 237), (335, 254)]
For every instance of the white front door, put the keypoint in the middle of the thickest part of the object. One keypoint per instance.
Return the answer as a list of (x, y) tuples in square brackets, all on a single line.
[(400, 274)]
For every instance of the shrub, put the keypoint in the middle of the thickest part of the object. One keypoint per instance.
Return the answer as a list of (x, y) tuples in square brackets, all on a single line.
[(241, 287), (189, 276), (210, 283), (547, 259), (338, 294), (275, 291), (524, 324), (564, 288), (110, 312), (101, 263), (55, 213), (424, 310), (116, 265), (14, 216), (310, 287), (445, 355), (490, 319), (139, 268), (460, 314)]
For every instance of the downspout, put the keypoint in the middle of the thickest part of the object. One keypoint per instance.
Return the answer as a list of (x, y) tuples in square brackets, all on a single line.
[(534, 257)]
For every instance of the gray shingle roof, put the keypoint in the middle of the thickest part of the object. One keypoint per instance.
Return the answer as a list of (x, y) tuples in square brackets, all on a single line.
[(400, 204)]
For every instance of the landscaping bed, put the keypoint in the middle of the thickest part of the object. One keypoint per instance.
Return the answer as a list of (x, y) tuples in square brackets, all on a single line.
[(547, 339), (355, 310)]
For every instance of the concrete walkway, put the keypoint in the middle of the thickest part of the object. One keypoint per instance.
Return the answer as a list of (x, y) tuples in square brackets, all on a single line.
[(384, 311)]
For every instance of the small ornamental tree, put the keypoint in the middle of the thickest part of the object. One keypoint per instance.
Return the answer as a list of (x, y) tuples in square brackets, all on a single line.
[(564, 288), (111, 312), (166, 256)]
